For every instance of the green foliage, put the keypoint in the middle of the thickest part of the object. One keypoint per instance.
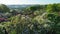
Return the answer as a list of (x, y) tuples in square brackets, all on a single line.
[(33, 8), (42, 23), (4, 8), (53, 8), (55, 20), (30, 10)]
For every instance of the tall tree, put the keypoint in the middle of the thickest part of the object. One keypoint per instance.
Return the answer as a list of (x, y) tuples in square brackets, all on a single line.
[(4, 8), (53, 8)]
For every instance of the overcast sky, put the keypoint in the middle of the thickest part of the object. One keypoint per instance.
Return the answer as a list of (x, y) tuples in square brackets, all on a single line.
[(20, 2)]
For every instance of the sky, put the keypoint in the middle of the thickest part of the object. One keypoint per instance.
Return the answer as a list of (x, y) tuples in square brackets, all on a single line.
[(20, 2)]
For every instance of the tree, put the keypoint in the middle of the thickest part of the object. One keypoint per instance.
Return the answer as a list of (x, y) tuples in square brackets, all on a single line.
[(53, 8), (4, 8), (33, 8), (55, 23)]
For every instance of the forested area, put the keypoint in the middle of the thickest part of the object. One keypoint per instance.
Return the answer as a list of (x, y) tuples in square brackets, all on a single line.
[(35, 19)]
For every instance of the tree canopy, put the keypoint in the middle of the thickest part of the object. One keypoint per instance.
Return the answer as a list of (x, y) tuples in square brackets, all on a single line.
[(53, 8), (4, 8)]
